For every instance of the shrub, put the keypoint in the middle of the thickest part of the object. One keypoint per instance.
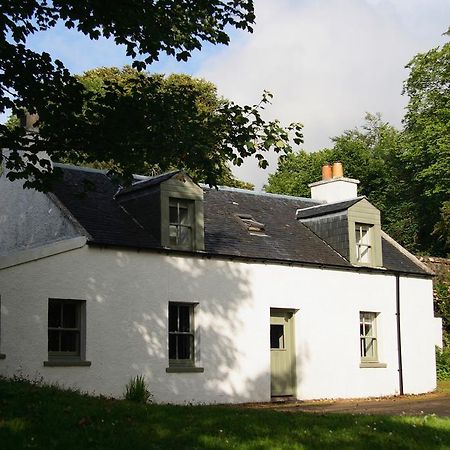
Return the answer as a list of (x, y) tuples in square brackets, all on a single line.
[(137, 391), (443, 363)]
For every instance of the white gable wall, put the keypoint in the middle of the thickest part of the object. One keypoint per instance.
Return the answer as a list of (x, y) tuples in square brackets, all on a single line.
[(127, 295)]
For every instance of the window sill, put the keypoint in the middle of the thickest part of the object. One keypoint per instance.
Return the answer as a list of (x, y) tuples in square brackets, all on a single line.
[(2, 356), (66, 363), (373, 365), (186, 369)]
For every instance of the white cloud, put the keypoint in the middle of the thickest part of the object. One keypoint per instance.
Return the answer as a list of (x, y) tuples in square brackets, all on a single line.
[(327, 62)]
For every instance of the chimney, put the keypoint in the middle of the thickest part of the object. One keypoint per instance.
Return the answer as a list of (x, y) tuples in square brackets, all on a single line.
[(334, 187), (29, 122), (327, 172)]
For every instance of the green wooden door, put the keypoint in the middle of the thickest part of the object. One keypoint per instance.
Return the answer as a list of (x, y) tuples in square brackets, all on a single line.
[(282, 354)]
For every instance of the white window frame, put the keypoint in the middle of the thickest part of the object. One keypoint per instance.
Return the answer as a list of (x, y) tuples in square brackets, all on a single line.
[(368, 339), (363, 242)]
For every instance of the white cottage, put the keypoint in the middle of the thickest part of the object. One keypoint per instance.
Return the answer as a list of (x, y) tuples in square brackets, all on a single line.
[(213, 295)]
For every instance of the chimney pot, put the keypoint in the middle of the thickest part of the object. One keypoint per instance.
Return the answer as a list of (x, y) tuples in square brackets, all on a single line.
[(28, 121), (326, 172), (338, 171)]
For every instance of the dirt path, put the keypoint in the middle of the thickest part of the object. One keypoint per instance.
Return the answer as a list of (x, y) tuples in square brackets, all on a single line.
[(435, 403)]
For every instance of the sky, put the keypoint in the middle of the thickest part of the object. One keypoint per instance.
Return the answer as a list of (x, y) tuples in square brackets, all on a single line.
[(327, 62)]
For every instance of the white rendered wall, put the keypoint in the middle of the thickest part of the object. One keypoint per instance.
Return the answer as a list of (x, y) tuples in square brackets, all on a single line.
[(334, 190), (127, 295)]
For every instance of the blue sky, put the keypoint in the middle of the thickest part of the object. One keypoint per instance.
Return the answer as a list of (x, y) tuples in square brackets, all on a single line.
[(326, 61)]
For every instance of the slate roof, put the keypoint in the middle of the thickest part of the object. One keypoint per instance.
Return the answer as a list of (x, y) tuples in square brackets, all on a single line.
[(287, 240), (327, 208), (152, 181)]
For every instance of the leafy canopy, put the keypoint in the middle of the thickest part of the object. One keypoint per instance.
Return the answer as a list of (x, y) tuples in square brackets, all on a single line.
[(168, 122), (426, 153), (77, 121)]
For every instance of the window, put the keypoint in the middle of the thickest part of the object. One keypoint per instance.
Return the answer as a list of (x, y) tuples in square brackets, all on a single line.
[(181, 333), (181, 222), (182, 338), (368, 336), (277, 337), (66, 331), (363, 243)]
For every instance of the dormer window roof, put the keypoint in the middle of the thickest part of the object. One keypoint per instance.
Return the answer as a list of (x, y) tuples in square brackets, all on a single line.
[(351, 227), (253, 227), (170, 207)]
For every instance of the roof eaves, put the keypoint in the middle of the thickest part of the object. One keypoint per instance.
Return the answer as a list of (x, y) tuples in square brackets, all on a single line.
[(289, 262)]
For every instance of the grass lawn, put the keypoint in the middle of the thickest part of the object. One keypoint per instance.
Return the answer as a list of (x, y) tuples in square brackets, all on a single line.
[(47, 418), (444, 386)]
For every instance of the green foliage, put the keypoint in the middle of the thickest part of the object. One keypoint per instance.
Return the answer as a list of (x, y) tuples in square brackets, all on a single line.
[(137, 391), (152, 123), (370, 154), (427, 146), (134, 122), (442, 304), (80, 121), (443, 363), (377, 155), (45, 418)]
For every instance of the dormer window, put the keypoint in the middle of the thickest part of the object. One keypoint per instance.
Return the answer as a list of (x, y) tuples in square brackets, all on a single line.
[(181, 222), (363, 233)]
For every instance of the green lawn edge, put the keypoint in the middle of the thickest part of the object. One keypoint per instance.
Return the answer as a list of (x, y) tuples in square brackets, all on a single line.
[(45, 417)]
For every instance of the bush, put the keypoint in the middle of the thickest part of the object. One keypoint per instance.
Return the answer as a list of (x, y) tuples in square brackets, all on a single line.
[(136, 390), (443, 363)]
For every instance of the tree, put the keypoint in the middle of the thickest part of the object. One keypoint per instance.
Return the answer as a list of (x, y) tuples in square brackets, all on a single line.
[(370, 154), (426, 156), (166, 117), (34, 82)]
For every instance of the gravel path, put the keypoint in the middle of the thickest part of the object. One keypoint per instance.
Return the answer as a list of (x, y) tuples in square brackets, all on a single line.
[(435, 403)]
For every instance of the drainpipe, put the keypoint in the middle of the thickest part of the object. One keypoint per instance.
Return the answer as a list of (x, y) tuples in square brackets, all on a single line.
[(399, 334)]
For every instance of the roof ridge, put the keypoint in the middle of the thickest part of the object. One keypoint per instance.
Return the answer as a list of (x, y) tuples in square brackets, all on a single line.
[(80, 168), (257, 193)]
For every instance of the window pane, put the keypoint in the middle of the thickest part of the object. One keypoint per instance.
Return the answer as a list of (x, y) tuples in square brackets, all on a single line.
[(69, 341), (173, 317), (184, 215), (173, 234), (184, 312), (365, 235), (70, 315), (172, 346), (185, 236), (370, 350), (184, 346), (173, 214), (277, 336), (53, 341), (54, 313)]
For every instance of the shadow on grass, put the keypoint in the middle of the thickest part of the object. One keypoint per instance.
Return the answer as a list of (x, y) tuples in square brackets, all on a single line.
[(45, 417)]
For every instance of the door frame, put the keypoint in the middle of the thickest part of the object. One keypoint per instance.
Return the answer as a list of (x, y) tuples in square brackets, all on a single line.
[(291, 342)]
